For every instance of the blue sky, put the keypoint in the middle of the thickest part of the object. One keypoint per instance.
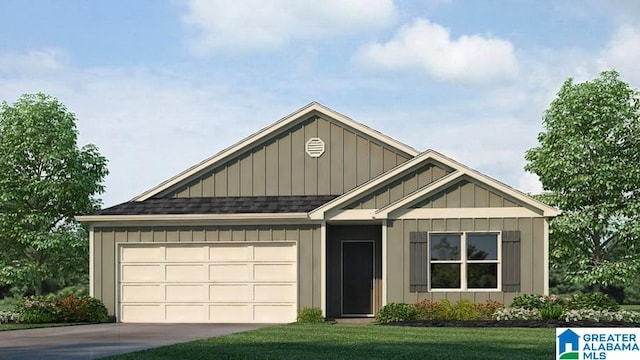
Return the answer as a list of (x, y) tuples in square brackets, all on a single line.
[(160, 85)]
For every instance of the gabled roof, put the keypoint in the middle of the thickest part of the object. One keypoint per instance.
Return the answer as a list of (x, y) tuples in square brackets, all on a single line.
[(219, 205), (460, 171), (267, 132)]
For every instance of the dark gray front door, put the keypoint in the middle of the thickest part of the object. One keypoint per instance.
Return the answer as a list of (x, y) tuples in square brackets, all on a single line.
[(357, 277)]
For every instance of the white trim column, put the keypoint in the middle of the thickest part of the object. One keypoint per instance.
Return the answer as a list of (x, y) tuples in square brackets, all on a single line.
[(384, 262), (545, 274), (323, 268), (91, 262)]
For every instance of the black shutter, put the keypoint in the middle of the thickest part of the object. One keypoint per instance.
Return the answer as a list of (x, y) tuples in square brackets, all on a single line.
[(511, 261), (418, 261)]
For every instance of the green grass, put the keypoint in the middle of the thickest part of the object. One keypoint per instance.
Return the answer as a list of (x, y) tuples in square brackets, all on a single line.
[(311, 341), (630, 307), (6, 327)]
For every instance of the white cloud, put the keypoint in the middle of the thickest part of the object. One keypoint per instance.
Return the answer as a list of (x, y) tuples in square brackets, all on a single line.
[(268, 24), (623, 53), (149, 123), (428, 47), (35, 61)]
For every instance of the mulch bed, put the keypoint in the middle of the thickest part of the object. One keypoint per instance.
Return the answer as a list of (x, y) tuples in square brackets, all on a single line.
[(513, 323)]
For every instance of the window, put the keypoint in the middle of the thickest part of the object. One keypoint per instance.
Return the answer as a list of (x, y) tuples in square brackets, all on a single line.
[(463, 261)]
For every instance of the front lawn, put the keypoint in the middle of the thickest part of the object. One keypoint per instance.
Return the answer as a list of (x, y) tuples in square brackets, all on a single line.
[(325, 341)]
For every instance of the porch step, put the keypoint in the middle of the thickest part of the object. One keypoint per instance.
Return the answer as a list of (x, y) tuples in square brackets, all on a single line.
[(361, 320)]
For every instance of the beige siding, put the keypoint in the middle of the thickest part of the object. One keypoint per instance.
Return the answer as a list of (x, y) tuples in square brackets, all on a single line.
[(532, 253), (467, 194), (398, 189), (280, 165), (306, 236)]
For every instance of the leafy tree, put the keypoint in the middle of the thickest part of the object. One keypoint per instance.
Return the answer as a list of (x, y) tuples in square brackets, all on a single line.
[(45, 180), (588, 161)]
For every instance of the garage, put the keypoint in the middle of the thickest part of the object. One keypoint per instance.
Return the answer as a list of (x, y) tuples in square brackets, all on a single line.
[(207, 282)]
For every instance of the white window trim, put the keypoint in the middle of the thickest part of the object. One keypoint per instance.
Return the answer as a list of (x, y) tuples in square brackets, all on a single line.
[(463, 261)]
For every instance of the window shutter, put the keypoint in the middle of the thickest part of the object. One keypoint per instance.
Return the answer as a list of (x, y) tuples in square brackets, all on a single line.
[(418, 261), (511, 261)]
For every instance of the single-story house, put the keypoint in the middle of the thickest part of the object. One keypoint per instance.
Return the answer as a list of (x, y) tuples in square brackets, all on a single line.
[(315, 210)]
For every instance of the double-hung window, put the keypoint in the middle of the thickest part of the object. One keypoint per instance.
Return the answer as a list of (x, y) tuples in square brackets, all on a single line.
[(464, 261)]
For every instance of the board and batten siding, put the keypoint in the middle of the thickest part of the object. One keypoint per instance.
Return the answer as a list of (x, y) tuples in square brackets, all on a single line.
[(402, 187), (532, 231), (306, 236), (279, 166), (467, 194)]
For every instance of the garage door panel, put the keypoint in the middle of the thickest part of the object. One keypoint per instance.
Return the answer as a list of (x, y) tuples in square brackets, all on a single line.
[(209, 282), (230, 252), (274, 272), (274, 293), (230, 293), (186, 253), (142, 293), (229, 313), (186, 313), (187, 273), (186, 293), (141, 254), (230, 272), (142, 273), (274, 313), (141, 313), (275, 252)]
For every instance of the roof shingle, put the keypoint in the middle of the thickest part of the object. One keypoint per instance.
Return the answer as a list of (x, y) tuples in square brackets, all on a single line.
[(219, 205)]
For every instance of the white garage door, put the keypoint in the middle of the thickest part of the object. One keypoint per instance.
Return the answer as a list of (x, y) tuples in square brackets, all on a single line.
[(218, 283)]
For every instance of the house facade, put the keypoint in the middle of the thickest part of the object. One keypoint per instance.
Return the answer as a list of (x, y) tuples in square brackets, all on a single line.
[(315, 210)]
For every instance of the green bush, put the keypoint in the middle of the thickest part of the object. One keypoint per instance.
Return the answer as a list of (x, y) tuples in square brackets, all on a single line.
[(77, 289), (81, 309), (9, 303), (427, 309), (396, 312), (57, 309), (38, 310), (310, 315), (551, 311), (595, 301), (461, 310), (488, 308)]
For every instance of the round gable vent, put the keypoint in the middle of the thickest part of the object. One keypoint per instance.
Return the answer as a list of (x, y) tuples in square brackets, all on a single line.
[(315, 147)]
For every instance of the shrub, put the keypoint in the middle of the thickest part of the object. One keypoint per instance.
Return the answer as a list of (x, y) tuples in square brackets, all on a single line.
[(310, 315), (537, 301), (9, 317), (461, 310), (488, 308), (517, 313), (69, 308), (396, 312), (426, 309), (78, 289), (9, 303), (596, 300), (601, 315), (551, 311), (38, 310), (80, 309)]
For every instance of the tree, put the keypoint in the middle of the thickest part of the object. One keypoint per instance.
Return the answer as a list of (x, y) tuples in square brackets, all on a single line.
[(588, 161), (45, 180)]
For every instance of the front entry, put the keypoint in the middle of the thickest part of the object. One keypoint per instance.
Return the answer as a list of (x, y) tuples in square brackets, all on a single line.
[(357, 277), (354, 270)]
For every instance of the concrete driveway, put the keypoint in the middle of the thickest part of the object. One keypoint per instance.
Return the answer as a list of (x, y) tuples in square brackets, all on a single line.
[(96, 341)]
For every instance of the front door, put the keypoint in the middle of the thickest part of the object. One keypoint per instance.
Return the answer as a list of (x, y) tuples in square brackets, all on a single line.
[(357, 278)]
